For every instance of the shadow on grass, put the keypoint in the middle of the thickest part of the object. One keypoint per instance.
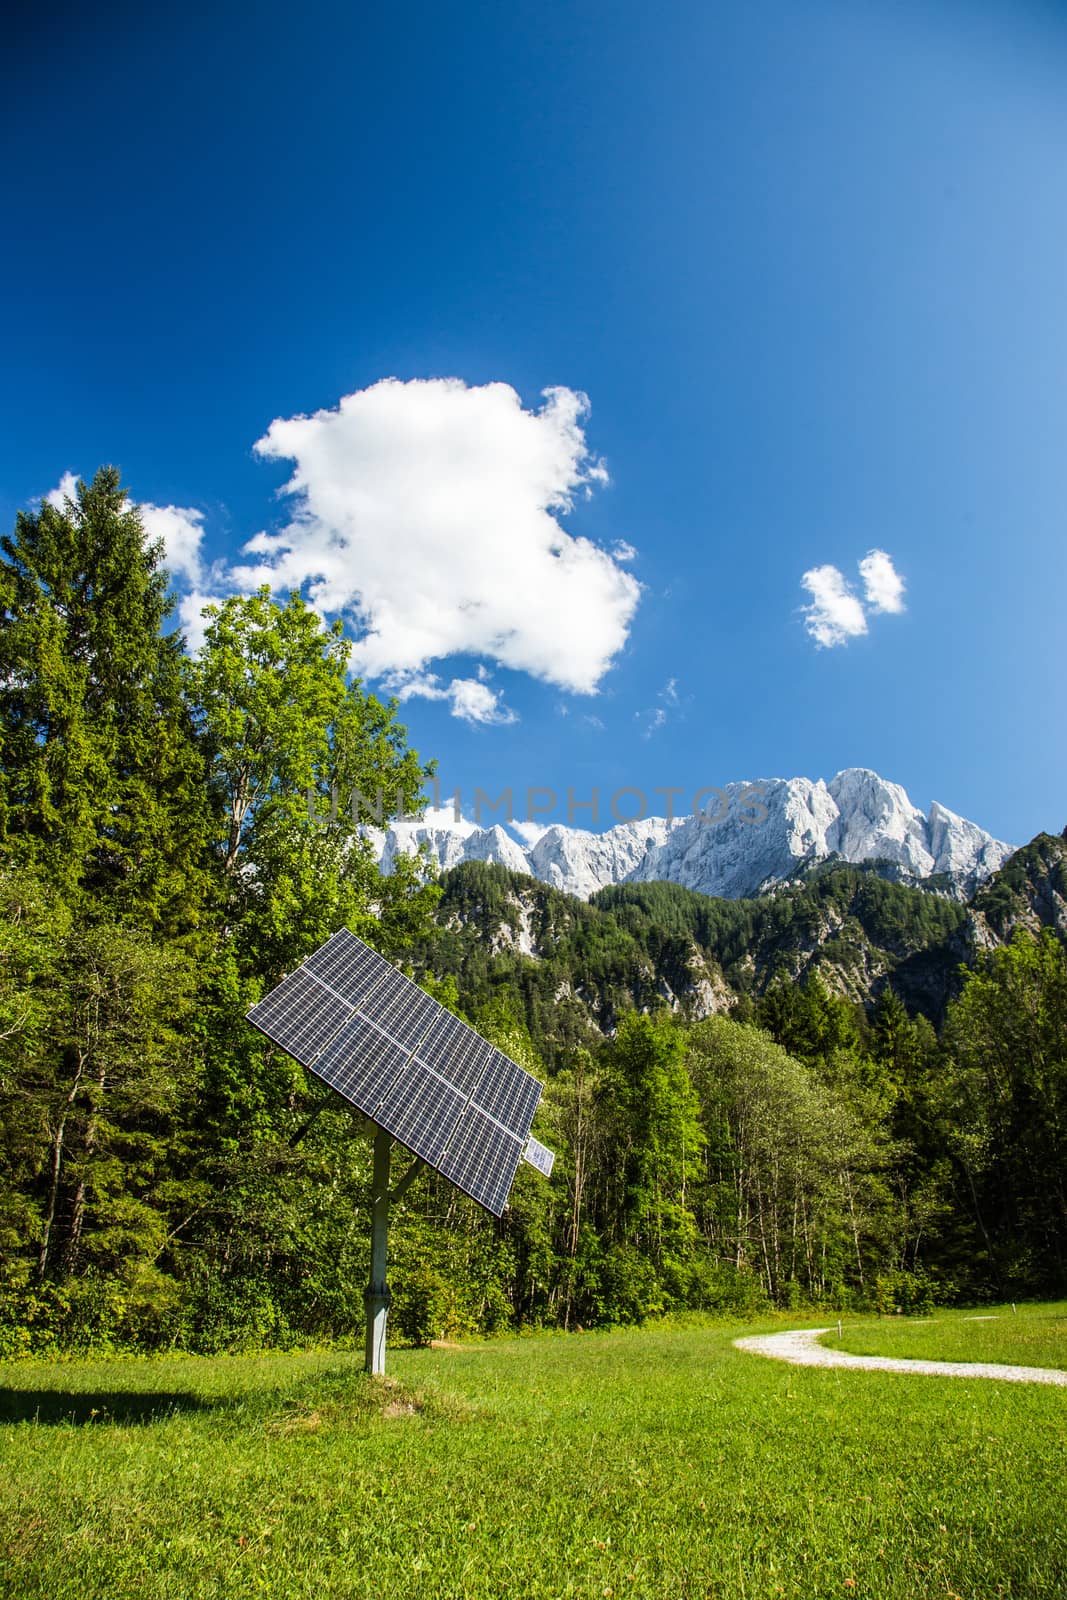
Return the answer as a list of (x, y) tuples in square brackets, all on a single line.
[(51, 1407)]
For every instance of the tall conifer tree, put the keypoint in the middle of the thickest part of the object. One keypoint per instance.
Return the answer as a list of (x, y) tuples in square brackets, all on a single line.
[(102, 783)]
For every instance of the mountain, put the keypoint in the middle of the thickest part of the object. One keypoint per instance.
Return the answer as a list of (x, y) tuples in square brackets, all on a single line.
[(754, 837), (1030, 891), (573, 967)]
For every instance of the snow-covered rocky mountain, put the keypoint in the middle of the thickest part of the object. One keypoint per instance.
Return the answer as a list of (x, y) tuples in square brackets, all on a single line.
[(750, 837)]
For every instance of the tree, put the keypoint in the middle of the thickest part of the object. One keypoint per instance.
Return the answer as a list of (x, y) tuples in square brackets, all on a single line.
[(289, 741), (102, 782), (792, 1187), (654, 1137), (1004, 1104)]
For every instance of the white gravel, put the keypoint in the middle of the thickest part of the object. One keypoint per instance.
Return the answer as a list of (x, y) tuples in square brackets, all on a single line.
[(803, 1349)]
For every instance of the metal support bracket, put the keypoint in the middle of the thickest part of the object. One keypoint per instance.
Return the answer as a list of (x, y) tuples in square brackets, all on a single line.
[(403, 1184)]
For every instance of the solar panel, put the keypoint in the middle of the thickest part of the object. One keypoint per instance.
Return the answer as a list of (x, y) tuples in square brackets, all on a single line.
[(404, 1061), (422, 1111), (300, 1016), (481, 1160), (362, 1064)]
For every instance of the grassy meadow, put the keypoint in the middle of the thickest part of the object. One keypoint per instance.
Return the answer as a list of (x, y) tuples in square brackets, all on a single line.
[(657, 1462)]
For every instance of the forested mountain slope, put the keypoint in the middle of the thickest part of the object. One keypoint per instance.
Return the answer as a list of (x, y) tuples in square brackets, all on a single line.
[(576, 966)]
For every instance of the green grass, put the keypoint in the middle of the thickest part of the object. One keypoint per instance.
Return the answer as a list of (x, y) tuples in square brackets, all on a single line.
[(1031, 1336), (659, 1463)]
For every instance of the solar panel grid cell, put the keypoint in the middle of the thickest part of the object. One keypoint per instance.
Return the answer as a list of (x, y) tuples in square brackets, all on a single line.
[(508, 1094), (350, 968), (361, 1064), (422, 1112), (481, 1160), (407, 1013), (456, 1052), (300, 1016)]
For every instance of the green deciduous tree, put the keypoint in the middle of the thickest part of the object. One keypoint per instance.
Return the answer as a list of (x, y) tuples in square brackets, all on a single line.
[(1004, 1105), (793, 1186), (653, 1135)]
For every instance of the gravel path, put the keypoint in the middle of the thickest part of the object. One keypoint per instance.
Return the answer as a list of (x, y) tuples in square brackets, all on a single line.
[(803, 1349)]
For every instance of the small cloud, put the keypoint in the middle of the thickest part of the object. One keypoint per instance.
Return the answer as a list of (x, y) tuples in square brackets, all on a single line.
[(883, 585), (653, 721), (181, 530), (835, 614), (66, 489), (419, 686), (476, 702), (622, 550), (594, 723), (471, 699), (655, 717)]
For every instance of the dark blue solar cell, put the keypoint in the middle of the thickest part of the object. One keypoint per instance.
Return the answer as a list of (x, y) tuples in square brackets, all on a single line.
[(362, 1064), (300, 1016), (350, 968)]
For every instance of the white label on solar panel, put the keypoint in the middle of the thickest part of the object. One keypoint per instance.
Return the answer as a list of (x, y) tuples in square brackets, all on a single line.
[(539, 1156)]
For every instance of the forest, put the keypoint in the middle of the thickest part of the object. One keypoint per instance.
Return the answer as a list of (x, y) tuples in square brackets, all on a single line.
[(169, 1179)]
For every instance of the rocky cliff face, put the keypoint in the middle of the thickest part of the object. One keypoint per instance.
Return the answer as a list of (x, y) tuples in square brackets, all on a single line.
[(1030, 893), (752, 837)]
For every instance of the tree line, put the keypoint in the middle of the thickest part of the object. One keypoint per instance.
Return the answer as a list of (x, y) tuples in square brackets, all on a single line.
[(167, 1177)]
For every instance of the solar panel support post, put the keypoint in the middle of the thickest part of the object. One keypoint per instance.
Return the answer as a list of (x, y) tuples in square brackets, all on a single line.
[(377, 1298)]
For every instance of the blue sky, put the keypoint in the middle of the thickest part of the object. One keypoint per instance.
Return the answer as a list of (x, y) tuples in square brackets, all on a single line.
[(807, 263)]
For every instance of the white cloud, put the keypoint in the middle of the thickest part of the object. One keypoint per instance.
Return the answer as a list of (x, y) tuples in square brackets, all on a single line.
[(528, 832), (835, 614), (653, 718), (653, 721), (428, 513), (475, 702), (883, 585), (65, 490), (471, 699), (622, 550), (181, 530)]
